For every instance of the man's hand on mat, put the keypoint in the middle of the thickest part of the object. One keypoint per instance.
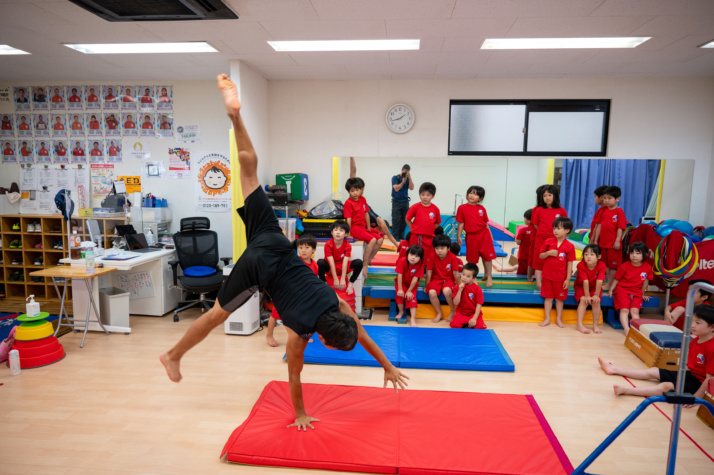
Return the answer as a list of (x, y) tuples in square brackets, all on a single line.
[(303, 422), (396, 377)]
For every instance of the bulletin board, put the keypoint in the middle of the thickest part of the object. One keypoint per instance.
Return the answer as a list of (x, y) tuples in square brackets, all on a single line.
[(40, 184)]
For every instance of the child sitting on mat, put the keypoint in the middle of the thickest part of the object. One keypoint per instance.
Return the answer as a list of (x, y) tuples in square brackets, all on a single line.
[(305, 245), (409, 269), (423, 218), (473, 218), (544, 214), (356, 213), (588, 286), (674, 313), (595, 223), (468, 300), (337, 260), (557, 254), (631, 281), (611, 225), (700, 363), (524, 236), (442, 274)]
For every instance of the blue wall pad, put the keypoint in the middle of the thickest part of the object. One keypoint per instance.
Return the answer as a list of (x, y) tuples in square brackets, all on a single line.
[(496, 247), (406, 347)]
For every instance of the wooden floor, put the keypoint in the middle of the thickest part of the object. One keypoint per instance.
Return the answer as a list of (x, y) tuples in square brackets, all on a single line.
[(109, 409)]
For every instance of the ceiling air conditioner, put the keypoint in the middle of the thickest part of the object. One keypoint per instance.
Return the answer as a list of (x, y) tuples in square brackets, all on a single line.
[(158, 10)]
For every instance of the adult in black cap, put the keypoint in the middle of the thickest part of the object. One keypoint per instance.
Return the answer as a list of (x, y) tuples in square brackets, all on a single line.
[(401, 184)]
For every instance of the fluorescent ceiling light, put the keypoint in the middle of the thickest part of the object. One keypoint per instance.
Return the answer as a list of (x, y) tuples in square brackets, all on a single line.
[(345, 45), (708, 45), (7, 49), (563, 43), (134, 48)]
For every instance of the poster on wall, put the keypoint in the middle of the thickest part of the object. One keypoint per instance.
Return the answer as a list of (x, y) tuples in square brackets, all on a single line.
[(179, 163), (138, 149), (5, 94), (153, 170), (164, 125), (24, 126), (7, 127), (40, 126), (57, 98), (93, 97), (94, 125), (112, 127), (76, 125), (128, 127), (39, 98), (146, 98), (133, 183), (96, 151), (213, 182), (188, 133), (28, 190), (59, 125), (22, 100), (79, 151), (75, 99), (59, 151), (26, 151), (8, 151), (109, 93), (147, 125), (43, 155), (113, 151), (165, 98), (128, 98), (102, 179)]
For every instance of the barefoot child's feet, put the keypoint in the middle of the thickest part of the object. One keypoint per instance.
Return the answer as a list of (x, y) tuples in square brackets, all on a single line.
[(559, 323), (173, 368), (619, 390), (489, 281), (399, 316), (412, 322), (596, 329), (438, 317), (271, 341), (608, 368), (582, 329), (229, 91), (449, 318), (545, 323)]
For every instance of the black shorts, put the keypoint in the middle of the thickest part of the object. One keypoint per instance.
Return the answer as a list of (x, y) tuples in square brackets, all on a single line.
[(373, 218), (691, 383)]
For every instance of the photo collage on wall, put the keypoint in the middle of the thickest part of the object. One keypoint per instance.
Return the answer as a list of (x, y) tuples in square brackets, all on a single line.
[(82, 124)]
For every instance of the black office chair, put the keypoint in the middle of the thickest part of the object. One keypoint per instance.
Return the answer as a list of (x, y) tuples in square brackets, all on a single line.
[(197, 252)]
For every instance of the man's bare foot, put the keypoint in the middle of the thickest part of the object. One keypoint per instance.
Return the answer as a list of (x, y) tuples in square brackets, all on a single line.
[(559, 323), (489, 281), (271, 341), (173, 368), (596, 329), (229, 91), (438, 317), (582, 329), (619, 390), (608, 368), (545, 322)]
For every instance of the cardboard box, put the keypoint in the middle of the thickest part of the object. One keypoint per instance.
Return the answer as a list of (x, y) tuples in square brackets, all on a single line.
[(296, 184)]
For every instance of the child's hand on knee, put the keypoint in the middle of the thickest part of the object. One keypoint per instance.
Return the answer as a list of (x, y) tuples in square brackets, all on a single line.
[(410, 296), (594, 299), (400, 293)]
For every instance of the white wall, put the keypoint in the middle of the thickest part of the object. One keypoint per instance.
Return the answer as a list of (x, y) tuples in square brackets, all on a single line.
[(312, 121)]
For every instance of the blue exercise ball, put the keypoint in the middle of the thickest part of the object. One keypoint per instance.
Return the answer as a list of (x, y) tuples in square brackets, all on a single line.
[(669, 222), (709, 231), (664, 230), (696, 239), (684, 227), (649, 222)]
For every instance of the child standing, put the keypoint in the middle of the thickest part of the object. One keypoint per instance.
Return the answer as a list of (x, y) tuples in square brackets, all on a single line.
[(523, 239), (674, 312), (356, 213), (631, 281), (403, 246), (337, 260), (306, 245), (442, 273), (479, 243), (468, 300), (423, 218), (409, 270), (700, 363), (596, 218), (543, 216), (612, 223), (557, 254), (588, 286)]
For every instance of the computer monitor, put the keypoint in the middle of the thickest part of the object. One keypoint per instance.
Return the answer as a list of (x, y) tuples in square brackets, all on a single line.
[(136, 241)]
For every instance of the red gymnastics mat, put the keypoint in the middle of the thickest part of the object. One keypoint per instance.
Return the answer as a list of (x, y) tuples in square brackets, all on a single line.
[(374, 430), (389, 260)]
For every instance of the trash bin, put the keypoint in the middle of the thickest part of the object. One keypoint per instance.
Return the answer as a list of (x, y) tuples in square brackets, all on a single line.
[(114, 306)]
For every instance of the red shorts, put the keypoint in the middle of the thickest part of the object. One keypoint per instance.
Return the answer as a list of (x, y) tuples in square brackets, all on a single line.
[(364, 234), (536, 261), (522, 267), (403, 300), (274, 314), (626, 299), (440, 285), (611, 257), (425, 242), (479, 245), (579, 293), (553, 289), (460, 320)]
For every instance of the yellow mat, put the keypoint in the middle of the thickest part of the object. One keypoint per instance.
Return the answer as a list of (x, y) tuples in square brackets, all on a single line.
[(511, 314)]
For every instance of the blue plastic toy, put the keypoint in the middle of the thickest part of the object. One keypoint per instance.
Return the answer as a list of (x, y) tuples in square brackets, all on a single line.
[(684, 227), (663, 230)]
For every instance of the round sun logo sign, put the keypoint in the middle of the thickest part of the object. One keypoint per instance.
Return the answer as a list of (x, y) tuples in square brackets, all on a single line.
[(215, 178)]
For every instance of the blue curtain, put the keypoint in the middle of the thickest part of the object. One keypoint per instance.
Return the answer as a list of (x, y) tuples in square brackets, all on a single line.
[(636, 178)]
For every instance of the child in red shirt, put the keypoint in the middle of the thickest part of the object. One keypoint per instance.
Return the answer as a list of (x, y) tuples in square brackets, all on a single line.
[(700, 363), (442, 274), (631, 281), (611, 225), (674, 312), (479, 242), (524, 236), (306, 245), (403, 246), (409, 270), (588, 286), (596, 217), (356, 213), (337, 260), (544, 214), (468, 300), (557, 254), (423, 218)]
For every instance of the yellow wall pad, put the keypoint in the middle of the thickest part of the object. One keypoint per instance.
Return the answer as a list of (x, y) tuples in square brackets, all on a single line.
[(335, 174), (550, 171), (239, 240), (662, 166), (510, 314)]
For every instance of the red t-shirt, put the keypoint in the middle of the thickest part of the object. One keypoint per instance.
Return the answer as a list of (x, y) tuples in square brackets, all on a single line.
[(355, 210), (443, 269), (402, 248), (591, 275), (408, 272), (631, 278), (556, 268), (43, 152), (75, 99), (57, 99), (312, 265), (682, 303), (61, 152), (94, 125), (8, 151), (41, 126), (146, 100), (426, 219), (6, 126), (474, 217), (78, 152), (164, 99), (167, 126), (25, 152), (471, 296), (57, 126), (701, 358), (525, 235), (126, 98), (23, 127), (112, 124), (92, 98), (543, 218), (76, 126), (110, 98), (95, 153), (596, 219), (610, 221), (147, 125), (113, 151), (338, 253), (129, 125)]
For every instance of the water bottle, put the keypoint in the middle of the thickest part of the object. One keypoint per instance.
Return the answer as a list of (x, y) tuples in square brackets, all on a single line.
[(89, 261), (149, 238), (14, 362)]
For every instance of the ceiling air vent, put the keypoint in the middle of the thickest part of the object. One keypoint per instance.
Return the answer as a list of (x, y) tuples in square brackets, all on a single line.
[(158, 10)]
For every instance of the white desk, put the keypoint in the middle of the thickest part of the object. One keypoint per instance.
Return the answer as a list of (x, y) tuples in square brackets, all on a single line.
[(156, 264)]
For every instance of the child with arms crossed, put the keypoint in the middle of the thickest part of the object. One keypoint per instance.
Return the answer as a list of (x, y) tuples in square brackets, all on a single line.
[(674, 312), (588, 286), (557, 254), (423, 218), (472, 216), (468, 300), (337, 260), (631, 281), (442, 274), (409, 269), (356, 213)]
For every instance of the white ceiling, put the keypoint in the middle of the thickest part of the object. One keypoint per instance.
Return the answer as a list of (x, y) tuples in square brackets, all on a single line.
[(451, 33)]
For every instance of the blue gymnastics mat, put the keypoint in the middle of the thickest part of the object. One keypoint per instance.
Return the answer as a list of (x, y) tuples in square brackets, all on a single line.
[(422, 348)]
